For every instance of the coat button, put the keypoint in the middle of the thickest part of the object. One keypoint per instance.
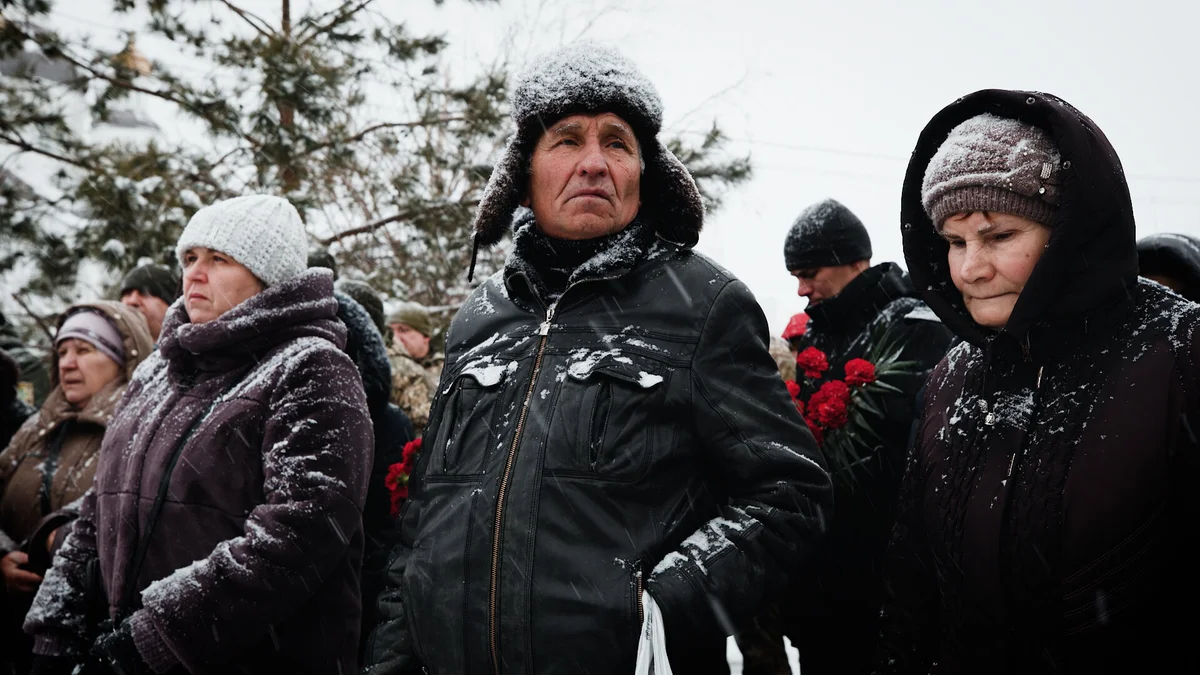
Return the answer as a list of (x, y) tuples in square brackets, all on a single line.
[(1031, 100), (133, 352)]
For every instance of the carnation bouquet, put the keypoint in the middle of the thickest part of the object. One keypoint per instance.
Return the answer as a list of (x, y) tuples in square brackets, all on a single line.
[(398, 473), (839, 411)]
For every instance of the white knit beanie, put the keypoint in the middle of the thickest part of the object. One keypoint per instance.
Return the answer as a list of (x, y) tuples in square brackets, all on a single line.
[(262, 232)]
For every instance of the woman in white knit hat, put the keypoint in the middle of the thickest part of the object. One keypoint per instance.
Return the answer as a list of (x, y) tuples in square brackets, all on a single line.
[(1047, 520), (226, 517)]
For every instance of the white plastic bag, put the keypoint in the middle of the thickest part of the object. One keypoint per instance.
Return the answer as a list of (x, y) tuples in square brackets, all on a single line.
[(652, 646)]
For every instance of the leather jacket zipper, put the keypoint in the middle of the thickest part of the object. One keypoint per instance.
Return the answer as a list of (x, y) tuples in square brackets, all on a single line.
[(637, 598), (493, 596)]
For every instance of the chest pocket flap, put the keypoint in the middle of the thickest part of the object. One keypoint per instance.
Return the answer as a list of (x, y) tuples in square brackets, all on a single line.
[(464, 426), (609, 419)]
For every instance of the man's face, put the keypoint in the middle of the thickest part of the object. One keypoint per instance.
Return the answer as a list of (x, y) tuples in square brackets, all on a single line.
[(585, 177), (416, 344), (150, 306), (819, 284)]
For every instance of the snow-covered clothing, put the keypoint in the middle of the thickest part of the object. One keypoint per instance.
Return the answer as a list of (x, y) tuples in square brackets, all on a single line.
[(832, 614), (392, 429), (826, 234), (1172, 255), (252, 433), (634, 432), (1047, 520)]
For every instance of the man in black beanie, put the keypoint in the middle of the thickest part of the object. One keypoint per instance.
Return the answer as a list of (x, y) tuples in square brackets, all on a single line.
[(855, 310), (151, 289)]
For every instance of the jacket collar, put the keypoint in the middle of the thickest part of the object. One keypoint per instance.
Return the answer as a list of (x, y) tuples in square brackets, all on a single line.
[(626, 249), (861, 300), (303, 306)]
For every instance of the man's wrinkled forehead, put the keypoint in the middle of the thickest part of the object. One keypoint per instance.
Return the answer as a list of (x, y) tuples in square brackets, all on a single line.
[(573, 124)]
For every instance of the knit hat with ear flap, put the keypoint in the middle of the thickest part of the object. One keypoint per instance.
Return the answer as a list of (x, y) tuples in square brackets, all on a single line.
[(991, 163), (262, 232), (589, 78)]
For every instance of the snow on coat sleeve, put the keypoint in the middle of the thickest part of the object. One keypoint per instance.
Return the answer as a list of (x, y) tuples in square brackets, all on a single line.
[(316, 453), (772, 472), (911, 600), (58, 618)]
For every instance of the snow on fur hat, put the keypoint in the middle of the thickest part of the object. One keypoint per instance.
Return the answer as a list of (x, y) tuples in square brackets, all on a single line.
[(587, 77), (262, 232), (992, 163)]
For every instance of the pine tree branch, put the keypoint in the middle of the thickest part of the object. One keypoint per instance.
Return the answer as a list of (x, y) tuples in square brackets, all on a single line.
[(379, 127), (18, 142), (341, 15), (249, 17)]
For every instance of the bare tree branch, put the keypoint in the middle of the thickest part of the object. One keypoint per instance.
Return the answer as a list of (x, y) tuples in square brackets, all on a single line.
[(364, 229), (379, 127), (261, 26), (340, 15)]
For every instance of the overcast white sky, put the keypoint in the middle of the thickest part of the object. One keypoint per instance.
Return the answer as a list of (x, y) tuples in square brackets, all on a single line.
[(828, 98)]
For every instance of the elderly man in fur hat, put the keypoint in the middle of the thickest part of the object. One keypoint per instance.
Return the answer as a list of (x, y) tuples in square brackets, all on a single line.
[(611, 445)]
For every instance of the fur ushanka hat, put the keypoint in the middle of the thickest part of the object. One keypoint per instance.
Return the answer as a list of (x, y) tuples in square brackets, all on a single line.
[(590, 78)]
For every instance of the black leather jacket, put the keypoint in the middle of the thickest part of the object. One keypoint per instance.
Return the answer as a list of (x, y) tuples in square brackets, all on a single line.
[(636, 432)]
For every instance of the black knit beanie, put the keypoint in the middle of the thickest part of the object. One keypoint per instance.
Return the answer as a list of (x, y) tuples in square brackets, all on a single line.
[(363, 294), (825, 235), (156, 280)]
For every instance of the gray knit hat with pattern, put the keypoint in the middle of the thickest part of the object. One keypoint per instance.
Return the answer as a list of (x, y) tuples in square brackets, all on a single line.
[(991, 163)]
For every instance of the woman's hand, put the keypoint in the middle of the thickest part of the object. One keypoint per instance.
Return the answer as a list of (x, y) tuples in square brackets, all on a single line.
[(50, 540), (17, 580)]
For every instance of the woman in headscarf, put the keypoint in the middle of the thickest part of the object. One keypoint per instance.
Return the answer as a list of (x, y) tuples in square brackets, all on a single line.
[(227, 513), (1047, 516), (51, 461)]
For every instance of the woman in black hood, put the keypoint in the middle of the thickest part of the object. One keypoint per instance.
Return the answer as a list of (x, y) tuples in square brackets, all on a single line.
[(1046, 518)]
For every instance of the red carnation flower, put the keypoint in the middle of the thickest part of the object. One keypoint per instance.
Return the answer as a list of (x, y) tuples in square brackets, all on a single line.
[(828, 407), (796, 326), (859, 372), (816, 430), (398, 473), (410, 454), (793, 388), (812, 361)]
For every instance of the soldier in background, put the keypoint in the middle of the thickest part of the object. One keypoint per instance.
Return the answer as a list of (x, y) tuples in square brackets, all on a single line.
[(416, 367)]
